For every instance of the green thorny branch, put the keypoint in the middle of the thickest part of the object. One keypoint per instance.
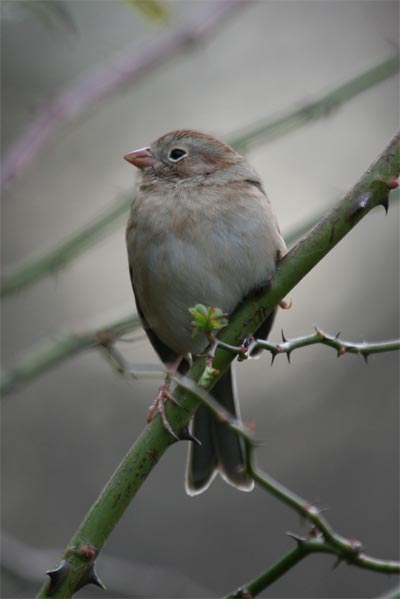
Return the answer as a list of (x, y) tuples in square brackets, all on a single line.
[(76, 568), (319, 337), (260, 133)]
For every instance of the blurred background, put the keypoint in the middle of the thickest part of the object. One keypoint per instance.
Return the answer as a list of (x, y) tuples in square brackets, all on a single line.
[(329, 427)]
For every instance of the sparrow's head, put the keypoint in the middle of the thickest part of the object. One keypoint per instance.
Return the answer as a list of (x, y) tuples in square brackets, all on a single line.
[(185, 154)]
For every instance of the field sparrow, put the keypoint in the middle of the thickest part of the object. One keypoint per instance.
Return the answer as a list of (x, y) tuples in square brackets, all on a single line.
[(201, 230)]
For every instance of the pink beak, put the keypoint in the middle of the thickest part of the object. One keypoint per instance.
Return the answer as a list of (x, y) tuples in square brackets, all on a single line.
[(140, 158)]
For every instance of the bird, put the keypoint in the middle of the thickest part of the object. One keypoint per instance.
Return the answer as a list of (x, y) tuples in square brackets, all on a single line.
[(201, 231)]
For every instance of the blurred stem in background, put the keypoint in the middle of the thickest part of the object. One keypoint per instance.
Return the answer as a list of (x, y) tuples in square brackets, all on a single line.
[(34, 270), (52, 353), (126, 67)]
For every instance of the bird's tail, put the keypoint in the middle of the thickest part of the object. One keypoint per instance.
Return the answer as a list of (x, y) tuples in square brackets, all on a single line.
[(222, 449)]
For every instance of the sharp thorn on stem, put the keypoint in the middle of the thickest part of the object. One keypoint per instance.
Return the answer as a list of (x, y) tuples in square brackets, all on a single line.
[(385, 203), (57, 577), (298, 538), (337, 563), (185, 435), (90, 577), (94, 578)]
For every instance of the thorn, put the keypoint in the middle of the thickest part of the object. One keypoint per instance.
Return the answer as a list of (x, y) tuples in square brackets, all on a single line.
[(385, 202), (288, 355), (57, 577), (337, 563), (365, 356), (273, 356), (94, 579), (186, 435), (338, 335), (90, 577), (319, 332), (298, 538), (283, 336)]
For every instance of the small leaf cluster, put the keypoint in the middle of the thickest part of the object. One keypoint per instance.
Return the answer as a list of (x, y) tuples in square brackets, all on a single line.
[(208, 319)]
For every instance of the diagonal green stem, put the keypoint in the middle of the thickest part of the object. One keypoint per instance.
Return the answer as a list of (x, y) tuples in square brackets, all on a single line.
[(264, 580), (271, 129), (36, 269)]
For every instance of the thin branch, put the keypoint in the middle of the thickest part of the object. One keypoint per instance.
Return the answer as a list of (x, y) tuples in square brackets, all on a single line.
[(125, 368), (324, 106), (53, 353), (320, 539), (216, 408), (76, 568), (139, 371), (306, 546), (126, 67), (341, 346), (349, 550), (33, 270), (283, 565)]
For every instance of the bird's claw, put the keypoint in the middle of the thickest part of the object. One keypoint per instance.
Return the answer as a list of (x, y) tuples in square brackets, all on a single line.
[(158, 406)]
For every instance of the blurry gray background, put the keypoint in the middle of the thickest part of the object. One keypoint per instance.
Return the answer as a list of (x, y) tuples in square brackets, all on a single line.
[(329, 427)]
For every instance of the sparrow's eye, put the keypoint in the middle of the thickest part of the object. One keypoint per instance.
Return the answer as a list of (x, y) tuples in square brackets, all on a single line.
[(177, 154)]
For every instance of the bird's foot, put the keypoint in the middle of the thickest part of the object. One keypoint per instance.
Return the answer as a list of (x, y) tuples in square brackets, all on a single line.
[(164, 394)]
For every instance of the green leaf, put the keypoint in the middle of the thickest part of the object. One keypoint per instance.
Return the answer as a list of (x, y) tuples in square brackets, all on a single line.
[(207, 319), (154, 10)]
